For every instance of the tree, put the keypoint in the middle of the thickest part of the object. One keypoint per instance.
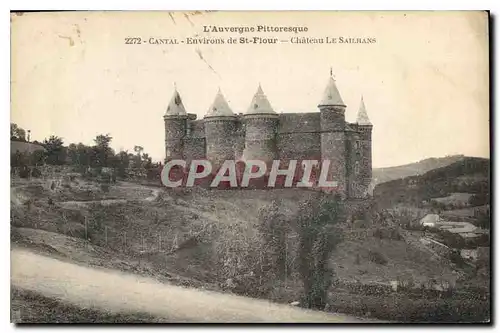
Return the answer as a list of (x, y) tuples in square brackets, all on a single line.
[(319, 234), (37, 157), (137, 160), (55, 151), (102, 152), (18, 159), (138, 149), (73, 154), (13, 130), (21, 134), (103, 141), (17, 133), (274, 228), (84, 155), (146, 161), (122, 163)]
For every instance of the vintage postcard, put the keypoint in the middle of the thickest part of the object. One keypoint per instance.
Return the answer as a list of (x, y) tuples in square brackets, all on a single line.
[(250, 167)]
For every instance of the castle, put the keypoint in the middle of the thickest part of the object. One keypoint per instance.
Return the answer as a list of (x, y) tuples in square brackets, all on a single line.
[(263, 134)]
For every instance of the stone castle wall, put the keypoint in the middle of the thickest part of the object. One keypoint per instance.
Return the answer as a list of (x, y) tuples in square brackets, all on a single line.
[(300, 136)]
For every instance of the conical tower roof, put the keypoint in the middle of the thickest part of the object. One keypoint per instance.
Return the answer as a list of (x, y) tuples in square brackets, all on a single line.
[(362, 118), (219, 107), (175, 107), (260, 104), (331, 96)]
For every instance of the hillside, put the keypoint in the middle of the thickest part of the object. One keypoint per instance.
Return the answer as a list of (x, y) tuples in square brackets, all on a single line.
[(469, 175), (211, 240), (382, 175), (24, 147)]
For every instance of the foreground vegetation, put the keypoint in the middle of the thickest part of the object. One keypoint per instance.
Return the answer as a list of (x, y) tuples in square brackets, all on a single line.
[(283, 245), (222, 240)]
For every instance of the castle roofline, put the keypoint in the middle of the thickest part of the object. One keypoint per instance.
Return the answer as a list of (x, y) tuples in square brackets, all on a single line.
[(175, 107), (220, 107), (331, 95), (362, 118), (260, 104)]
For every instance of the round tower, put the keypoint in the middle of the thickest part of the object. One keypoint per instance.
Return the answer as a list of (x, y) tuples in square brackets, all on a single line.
[(220, 127), (365, 135), (353, 156), (333, 137), (175, 119), (261, 125)]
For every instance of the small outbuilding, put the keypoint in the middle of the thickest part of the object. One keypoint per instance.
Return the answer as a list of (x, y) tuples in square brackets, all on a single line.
[(430, 220)]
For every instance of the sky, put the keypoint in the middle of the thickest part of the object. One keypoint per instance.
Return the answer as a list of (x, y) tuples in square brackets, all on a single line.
[(425, 81)]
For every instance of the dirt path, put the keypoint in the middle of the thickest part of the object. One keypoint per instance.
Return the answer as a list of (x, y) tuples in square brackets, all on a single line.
[(124, 293)]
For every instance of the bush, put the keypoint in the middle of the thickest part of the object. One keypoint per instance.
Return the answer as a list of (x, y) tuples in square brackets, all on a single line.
[(36, 173), (483, 220), (405, 284), (400, 308), (377, 257), (319, 235), (273, 226), (387, 233), (479, 199), (451, 240), (236, 252), (24, 172), (456, 258)]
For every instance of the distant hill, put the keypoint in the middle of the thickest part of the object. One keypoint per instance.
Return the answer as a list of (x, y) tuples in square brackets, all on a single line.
[(467, 175), (382, 175)]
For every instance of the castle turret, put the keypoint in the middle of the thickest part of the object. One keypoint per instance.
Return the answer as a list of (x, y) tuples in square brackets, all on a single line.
[(220, 126), (261, 124), (333, 138), (175, 119), (365, 134)]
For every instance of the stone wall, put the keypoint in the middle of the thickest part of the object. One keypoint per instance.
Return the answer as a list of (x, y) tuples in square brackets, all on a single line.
[(300, 136), (299, 122)]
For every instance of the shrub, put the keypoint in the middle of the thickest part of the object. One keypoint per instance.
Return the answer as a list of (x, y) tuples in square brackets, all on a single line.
[(105, 188), (273, 226), (456, 258), (36, 173), (483, 220), (387, 233), (236, 252), (452, 240), (405, 284), (317, 226), (24, 172), (377, 257)]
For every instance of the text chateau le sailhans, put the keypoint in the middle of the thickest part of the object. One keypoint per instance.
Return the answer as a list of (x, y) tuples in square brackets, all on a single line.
[(276, 29)]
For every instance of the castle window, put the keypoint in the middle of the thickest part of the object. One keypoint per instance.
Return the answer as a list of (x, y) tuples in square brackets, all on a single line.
[(356, 168), (357, 144)]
